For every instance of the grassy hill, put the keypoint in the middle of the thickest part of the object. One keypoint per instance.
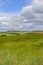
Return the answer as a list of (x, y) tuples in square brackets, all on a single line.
[(22, 49)]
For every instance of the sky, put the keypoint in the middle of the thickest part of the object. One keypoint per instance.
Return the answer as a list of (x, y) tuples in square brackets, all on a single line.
[(24, 15)]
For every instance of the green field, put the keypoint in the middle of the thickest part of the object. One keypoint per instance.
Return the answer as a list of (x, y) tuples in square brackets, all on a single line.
[(22, 49)]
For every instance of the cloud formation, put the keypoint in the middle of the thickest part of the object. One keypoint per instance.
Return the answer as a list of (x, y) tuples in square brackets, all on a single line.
[(29, 18), (34, 13)]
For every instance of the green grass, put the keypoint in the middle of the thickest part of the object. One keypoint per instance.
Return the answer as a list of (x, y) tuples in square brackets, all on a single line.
[(23, 49)]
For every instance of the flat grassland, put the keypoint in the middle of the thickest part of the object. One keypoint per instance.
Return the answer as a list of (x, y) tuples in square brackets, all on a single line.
[(21, 49)]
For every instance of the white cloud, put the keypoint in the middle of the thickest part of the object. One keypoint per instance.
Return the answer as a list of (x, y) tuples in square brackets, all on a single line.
[(29, 18), (5, 23), (38, 6), (27, 12), (34, 13)]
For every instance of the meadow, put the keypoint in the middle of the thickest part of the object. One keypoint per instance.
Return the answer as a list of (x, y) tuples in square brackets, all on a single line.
[(21, 49)]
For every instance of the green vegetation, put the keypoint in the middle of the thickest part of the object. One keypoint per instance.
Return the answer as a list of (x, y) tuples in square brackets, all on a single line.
[(22, 49)]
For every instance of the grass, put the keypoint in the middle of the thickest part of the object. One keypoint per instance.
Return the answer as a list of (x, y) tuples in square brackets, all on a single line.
[(23, 49)]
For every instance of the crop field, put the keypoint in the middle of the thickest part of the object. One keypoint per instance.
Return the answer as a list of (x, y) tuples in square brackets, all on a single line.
[(21, 49)]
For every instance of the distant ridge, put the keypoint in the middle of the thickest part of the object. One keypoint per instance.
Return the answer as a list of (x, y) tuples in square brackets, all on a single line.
[(24, 31)]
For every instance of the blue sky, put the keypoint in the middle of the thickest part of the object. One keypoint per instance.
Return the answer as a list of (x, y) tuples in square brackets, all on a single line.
[(26, 15), (15, 6)]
